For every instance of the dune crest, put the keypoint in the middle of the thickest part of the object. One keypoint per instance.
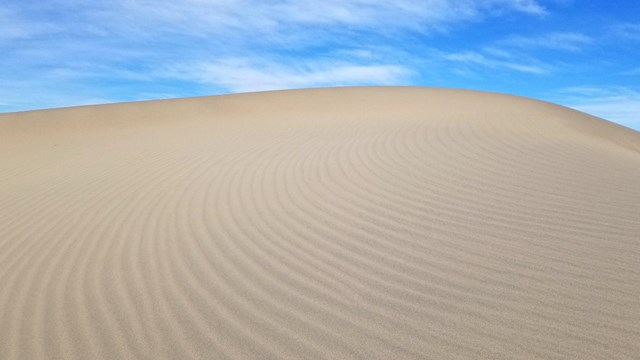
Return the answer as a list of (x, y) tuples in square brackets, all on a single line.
[(388, 223)]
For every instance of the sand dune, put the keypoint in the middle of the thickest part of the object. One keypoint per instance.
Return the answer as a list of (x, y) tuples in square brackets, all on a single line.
[(370, 223)]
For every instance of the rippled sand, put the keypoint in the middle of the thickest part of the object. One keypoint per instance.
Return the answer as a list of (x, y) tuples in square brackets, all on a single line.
[(389, 223)]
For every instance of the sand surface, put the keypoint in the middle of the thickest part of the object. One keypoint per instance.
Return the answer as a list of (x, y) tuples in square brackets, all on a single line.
[(370, 223)]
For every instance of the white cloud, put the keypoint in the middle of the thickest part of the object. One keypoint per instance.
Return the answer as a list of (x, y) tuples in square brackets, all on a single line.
[(402, 13), (568, 41), (241, 74), (234, 17), (518, 52), (475, 58)]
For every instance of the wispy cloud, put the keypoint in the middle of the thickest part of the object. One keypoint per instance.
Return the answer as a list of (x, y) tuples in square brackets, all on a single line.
[(618, 103), (243, 74), (67, 34), (478, 59), (567, 41), (221, 16), (68, 44), (520, 53)]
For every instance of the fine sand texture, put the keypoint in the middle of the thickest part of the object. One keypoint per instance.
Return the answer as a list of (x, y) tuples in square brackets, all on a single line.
[(348, 223)]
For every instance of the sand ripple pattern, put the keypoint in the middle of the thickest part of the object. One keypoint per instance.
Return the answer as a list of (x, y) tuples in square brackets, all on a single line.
[(353, 223)]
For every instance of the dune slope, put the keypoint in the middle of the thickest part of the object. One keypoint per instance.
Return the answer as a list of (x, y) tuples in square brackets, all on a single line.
[(389, 223)]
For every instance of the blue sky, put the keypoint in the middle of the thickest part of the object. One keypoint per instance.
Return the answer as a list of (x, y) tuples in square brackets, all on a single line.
[(582, 54)]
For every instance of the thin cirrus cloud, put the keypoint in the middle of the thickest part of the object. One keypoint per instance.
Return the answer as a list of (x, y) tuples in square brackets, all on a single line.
[(476, 59), (147, 18), (240, 75), (215, 16), (63, 36), (517, 52)]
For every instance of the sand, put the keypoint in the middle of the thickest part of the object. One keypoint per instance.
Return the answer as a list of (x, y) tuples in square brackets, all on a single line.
[(364, 223)]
